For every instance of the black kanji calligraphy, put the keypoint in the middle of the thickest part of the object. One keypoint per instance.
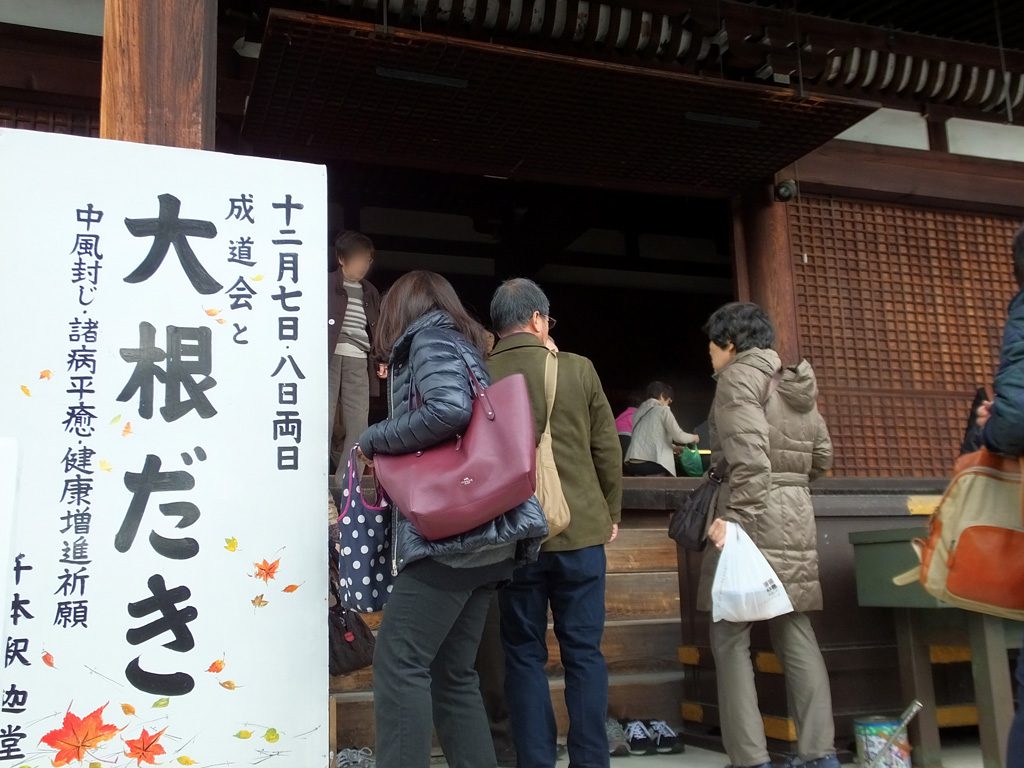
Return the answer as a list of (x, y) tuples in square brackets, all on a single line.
[(288, 360), (241, 294), (89, 216), (79, 520), (288, 424), (82, 359), (71, 614), (86, 330), (77, 490), (78, 460), (19, 568), (75, 552), (15, 700), (79, 419), (11, 737), (288, 265), (288, 393), (287, 457), (19, 609), (283, 297), (288, 206), (288, 328), (87, 246), (172, 619), (241, 252), (142, 485), (81, 386), (189, 354), (168, 230), (72, 583), (16, 651), (241, 208)]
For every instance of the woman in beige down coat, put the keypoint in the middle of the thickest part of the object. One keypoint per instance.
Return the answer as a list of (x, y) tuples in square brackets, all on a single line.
[(765, 424)]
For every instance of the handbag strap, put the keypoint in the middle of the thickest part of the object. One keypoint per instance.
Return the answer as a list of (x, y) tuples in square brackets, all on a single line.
[(550, 386)]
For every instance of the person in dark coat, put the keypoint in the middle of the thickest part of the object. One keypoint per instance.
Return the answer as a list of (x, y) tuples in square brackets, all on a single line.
[(423, 662), (1002, 431), (354, 371)]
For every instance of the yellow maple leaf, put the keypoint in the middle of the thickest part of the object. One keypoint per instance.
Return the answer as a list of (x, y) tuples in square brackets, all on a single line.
[(257, 278), (272, 736), (231, 544), (243, 735), (46, 373), (116, 419), (229, 685), (105, 465), (128, 709), (186, 760), (26, 391)]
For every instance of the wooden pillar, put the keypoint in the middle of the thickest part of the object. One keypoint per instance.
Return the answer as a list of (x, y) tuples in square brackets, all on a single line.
[(160, 72), (769, 266)]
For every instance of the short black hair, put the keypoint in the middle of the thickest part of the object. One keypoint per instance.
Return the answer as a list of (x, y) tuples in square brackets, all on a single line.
[(743, 324), (657, 389), (1018, 256), (350, 242), (514, 303)]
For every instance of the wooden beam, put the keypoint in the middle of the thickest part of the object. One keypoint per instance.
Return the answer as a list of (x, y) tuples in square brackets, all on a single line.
[(912, 176), (770, 267), (160, 72)]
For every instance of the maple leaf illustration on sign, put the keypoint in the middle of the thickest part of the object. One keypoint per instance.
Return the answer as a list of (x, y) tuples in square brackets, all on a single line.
[(46, 374), (128, 709), (291, 588), (217, 666), (267, 571), (231, 544), (259, 602), (77, 736), (146, 748)]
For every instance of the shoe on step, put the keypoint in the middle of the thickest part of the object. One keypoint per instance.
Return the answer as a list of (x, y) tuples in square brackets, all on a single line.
[(618, 745), (356, 758), (641, 740), (829, 761), (666, 740)]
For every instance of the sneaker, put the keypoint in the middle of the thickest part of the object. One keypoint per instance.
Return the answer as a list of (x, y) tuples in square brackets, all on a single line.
[(830, 761), (641, 741), (356, 758), (667, 741), (618, 746)]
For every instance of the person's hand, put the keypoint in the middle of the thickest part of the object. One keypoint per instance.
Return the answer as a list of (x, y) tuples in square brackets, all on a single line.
[(382, 370), (362, 457), (717, 533), (984, 413), (615, 533), (677, 449)]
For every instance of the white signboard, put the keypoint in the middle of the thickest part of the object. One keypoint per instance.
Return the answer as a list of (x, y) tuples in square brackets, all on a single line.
[(163, 443)]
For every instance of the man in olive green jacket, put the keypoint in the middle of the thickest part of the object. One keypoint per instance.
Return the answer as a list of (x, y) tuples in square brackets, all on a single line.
[(570, 574)]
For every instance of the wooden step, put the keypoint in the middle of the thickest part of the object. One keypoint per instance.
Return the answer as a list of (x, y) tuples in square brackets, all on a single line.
[(652, 695), (629, 647)]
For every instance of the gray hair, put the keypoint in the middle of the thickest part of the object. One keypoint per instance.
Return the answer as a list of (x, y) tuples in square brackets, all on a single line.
[(515, 302)]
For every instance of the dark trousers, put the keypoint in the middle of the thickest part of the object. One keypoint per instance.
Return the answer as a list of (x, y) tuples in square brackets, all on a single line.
[(1015, 750), (644, 469), (490, 666), (573, 584), (423, 677)]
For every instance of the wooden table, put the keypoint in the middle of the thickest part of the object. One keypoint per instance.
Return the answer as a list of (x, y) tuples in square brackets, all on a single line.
[(922, 621)]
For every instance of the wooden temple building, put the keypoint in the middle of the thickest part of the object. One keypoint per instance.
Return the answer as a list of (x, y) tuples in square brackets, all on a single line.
[(855, 166)]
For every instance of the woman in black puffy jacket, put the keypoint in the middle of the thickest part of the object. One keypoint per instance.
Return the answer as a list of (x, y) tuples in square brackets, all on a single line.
[(423, 664)]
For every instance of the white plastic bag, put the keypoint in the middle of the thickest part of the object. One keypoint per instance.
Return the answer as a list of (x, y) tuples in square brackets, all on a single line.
[(745, 587)]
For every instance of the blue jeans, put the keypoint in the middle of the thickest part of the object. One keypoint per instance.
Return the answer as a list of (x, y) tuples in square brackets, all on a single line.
[(1015, 749), (573, 584)]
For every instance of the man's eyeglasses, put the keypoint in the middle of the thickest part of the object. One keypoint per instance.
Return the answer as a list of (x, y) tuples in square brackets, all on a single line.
[(551, 322)]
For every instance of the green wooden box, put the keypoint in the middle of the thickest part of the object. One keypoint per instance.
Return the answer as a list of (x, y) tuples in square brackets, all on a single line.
[(880, 555)]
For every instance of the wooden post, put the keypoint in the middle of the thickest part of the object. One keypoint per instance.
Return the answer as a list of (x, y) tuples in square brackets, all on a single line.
[(159, 72), (769, 267)]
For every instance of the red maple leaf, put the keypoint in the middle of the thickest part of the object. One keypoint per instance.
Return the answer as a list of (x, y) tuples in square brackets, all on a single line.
[(146, 748), (78, 735), (267, 571)]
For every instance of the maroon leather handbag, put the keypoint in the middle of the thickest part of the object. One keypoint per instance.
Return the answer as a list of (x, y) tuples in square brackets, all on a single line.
[(461, 484)]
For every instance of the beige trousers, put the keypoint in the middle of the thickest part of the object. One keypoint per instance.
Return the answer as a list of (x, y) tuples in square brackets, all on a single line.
[(807, 688)]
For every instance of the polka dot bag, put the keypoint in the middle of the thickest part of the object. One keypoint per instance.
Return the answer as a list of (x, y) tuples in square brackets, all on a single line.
[(364, 560)]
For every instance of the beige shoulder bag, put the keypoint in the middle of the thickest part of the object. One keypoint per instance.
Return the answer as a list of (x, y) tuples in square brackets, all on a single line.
[(549, 487)]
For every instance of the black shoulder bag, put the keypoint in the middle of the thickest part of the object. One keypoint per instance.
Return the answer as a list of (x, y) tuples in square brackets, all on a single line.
[(689, 524)]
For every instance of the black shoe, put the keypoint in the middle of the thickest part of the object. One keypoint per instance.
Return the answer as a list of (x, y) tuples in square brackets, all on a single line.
[(641, 740), (666, 740), (506, 754)]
